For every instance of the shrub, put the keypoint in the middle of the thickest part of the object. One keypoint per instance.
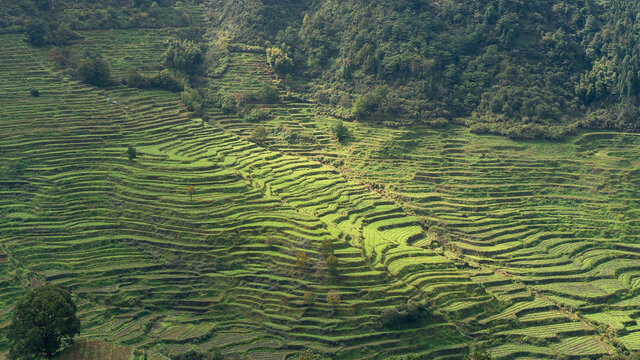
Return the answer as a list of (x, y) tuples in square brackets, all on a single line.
[(183, 55), (479, 355), (438, 123), (308, 298), (307, 355), (166, 81), (193, 101), (257, 115), (279, 61), (131, 152), (94, 70), (198, 355), (332, 264), (227, 104), (301, 259), (326, 247), (135, 80), (64, 35), (259, 135), (341, 132), (55, 55), (271, 241), (35, 92), (369, 103), (403, 314), (333, 298), (268, 94)]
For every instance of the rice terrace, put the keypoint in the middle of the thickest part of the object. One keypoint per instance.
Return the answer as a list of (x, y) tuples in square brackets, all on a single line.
[(319, 179)]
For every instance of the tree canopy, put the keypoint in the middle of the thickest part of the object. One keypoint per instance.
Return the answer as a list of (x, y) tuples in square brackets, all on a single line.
[(43, 322), (517, 68), (94, 70)]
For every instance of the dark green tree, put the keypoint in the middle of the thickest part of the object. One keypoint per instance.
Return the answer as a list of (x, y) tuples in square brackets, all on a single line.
[(183, 55), (94, 70), (43, 322), (341, 132), (193, 101), (279, 60), (268, 94), (64, 35), (131, 152), (38, 32), (259, 134)]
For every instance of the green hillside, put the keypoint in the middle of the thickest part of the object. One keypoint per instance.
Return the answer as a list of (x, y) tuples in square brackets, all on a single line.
[(517, 68), (323, 207)]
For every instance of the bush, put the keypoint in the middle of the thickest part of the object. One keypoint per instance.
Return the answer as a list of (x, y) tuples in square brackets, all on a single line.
[(64, 35), (166, 81), (94, 70), (307, 298), (227, 105), (332, 264), (183, 55), (307, 355), (55, 55), (403, 314), (135, 80), (438, 123), (38, 32), (268, 94), (259, 135), (163, 80), (301, 259), (333, 298), (341, 132), (367, 104), (257, 115), (35, 92), (279, 61), (193, 101), (299, 137), (326, 247), (479, 355)]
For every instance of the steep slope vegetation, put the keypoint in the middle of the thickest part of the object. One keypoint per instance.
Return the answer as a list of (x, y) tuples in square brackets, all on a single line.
[(517, 68)]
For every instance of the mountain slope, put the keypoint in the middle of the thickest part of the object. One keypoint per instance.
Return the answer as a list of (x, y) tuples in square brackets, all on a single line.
[(518, 68)]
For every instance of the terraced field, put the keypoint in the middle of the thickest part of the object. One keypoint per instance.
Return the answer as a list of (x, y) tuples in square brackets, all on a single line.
[(526, 247), (152, 267), (544, 234)]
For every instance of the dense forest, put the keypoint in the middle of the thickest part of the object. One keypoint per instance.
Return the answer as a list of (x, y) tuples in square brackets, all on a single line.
[(512, 67), (17, 16)]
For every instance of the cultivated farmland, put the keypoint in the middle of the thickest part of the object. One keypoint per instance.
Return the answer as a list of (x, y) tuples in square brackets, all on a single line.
[(528, 248)]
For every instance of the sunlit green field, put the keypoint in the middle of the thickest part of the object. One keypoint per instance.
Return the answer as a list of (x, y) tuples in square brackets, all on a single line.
[(526, 247)]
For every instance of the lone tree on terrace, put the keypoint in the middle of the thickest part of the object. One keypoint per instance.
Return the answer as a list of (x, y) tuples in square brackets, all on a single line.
[(190, 190), (131, 152), (43, 321)]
